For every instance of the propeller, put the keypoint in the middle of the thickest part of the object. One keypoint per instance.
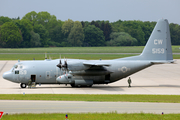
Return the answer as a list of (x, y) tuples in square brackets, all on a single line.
[(64, 66), (60, 64)]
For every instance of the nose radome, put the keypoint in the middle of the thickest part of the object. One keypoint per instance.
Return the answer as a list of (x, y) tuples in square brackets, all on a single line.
[(7, 75)]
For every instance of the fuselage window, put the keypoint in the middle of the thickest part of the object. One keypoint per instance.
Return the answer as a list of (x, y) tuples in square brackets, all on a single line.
[(17, 72), (69, 77)]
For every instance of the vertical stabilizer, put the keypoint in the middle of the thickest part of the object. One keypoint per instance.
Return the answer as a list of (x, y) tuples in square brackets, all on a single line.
[(158, 46)]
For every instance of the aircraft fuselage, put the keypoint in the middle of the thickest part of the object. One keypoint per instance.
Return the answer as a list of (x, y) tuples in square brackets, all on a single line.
[(46, 72)]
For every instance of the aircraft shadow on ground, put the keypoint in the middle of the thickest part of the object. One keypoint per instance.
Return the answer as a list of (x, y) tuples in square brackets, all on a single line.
[(157, 86), (105, 87)]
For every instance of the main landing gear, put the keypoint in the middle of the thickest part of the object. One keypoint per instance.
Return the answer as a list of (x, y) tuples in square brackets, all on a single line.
[(73, 85), (23, 85)]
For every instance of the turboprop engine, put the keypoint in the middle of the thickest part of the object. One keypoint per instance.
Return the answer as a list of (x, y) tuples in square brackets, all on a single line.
[(72, 65), (64, 79)]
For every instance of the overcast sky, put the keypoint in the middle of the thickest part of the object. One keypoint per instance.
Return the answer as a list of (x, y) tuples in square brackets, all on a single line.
[(88, 10)]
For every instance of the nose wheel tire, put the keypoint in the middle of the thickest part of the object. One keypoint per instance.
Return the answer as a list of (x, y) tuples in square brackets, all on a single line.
[(23, 85)]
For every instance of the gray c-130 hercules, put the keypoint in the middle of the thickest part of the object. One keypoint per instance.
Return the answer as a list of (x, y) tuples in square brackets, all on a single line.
[(88, 72)]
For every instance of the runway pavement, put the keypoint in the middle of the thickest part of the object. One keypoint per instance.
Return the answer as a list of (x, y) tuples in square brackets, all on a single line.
[(157, 79), (21, 106)]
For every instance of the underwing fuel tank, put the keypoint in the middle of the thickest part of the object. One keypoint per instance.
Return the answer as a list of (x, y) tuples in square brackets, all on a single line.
[(67, 79)]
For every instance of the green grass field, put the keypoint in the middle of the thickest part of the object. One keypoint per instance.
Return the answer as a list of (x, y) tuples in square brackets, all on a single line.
[(128, 49), (57, 56), (92, 116), (70, 52), (75, 50), (72, 56), (99, 98)]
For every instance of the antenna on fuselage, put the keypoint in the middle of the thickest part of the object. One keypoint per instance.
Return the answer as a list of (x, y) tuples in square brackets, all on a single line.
[(49, 57), (45, 55)]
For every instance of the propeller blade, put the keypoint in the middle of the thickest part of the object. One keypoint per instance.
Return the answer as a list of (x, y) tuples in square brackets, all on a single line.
[(59, 65), (60, 60), (64, 66)]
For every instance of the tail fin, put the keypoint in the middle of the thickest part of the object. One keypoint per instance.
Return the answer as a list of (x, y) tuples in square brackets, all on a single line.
[(158, 48)]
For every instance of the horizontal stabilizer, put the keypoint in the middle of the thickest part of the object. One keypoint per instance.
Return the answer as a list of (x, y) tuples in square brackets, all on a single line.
[(163, 62)]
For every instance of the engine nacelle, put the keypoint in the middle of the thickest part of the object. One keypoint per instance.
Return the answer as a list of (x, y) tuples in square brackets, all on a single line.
[(64, 79)]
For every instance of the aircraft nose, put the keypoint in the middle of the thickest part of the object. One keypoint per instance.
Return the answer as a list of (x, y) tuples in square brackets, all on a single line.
[(7, 75)]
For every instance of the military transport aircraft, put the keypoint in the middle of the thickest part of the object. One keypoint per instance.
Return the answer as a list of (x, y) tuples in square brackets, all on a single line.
[(88, 72)]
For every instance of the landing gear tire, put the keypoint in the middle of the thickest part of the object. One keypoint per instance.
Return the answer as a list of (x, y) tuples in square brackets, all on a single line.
[(72, 85), (23, 85), (89, 85)]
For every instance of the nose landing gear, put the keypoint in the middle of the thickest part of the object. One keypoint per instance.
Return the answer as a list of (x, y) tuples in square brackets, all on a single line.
[(23, 85)]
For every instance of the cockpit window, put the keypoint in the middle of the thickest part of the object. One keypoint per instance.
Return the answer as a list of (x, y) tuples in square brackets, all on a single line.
[(17, 72), (15, 66), (12, 69)]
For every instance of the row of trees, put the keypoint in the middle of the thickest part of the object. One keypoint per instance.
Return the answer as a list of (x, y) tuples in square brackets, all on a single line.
[(43, 29)]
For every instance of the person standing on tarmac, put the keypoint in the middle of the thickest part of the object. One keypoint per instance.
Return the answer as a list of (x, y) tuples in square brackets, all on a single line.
[(29, 83), (129, 82)]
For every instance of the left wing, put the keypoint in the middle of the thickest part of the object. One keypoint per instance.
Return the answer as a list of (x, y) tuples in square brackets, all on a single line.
[(91, 63)]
